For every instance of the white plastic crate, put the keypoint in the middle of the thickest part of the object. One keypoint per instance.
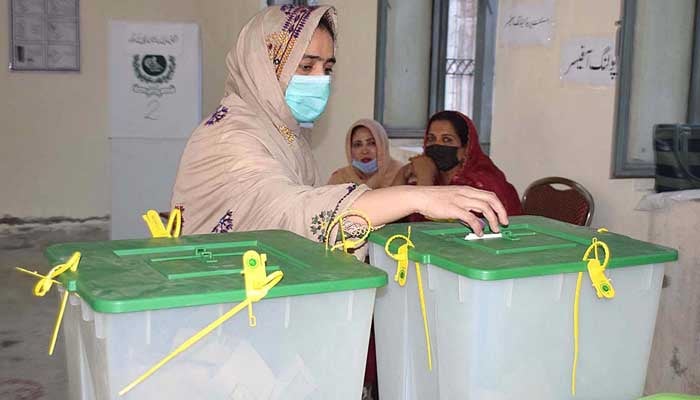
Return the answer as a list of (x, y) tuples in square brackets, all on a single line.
[(303, 347), (133, 302), (498, 339)]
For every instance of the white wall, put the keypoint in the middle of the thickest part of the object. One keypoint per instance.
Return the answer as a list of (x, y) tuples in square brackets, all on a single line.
[(352, 95), (220, 20), (54, 152), (542, 127)]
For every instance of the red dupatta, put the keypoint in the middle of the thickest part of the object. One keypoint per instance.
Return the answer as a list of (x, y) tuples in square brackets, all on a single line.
[(481, 173)]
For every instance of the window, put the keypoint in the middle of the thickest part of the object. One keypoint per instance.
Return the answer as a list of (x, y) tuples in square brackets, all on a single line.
[(431, 56), (656, 63)]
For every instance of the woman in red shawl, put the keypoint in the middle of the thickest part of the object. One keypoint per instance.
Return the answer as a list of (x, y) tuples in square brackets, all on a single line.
[(452, 156)]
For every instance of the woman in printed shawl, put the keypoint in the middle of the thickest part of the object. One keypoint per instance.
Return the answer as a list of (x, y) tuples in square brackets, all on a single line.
[(249, 166)]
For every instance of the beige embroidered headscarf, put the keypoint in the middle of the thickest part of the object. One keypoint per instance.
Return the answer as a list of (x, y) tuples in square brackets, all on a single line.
[(249, 166), (387, 167)]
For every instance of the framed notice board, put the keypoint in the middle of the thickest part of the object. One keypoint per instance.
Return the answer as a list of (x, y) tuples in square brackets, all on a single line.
[(44, 35)]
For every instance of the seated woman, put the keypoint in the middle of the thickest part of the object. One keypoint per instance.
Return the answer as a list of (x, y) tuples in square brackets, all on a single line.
[(452, 156), (367, 150)]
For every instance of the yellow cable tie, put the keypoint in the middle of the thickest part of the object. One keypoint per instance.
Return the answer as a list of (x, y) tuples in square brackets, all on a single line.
[(400, 277), (425, 317), (156, 227), (184, 346), (345, 243), (175, 222), (602, 286), (401, 256), (257, 286), (59, 319), (44, 285), (596, 269), (576, 301), (36, 275)]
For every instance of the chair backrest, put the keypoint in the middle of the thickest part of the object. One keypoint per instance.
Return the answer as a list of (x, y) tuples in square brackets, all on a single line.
[(574, 204)]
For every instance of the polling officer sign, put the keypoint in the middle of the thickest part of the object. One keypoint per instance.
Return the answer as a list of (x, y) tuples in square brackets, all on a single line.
[(155, 79)]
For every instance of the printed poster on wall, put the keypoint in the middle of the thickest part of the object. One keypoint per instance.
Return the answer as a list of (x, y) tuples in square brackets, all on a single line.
[(155, 79), (588, 60), (528, 23), (44, 35)]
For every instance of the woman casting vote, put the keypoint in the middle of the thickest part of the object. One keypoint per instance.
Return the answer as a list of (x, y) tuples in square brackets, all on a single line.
[(249, 166)]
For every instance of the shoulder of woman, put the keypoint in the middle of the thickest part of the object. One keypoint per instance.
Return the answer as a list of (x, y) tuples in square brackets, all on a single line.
[(395, 165), (340, 175), (231, 120), (232, 112), (335, 174), (341, 171)]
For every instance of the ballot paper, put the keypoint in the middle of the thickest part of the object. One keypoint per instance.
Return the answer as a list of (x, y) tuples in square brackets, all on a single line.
[(473, 236)]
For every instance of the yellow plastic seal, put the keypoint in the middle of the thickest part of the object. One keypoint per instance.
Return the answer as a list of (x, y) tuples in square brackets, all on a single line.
[(156, 227), (44, 285), (400, 276), (596, 269), (257, 285), (602, 285), (345, 242)]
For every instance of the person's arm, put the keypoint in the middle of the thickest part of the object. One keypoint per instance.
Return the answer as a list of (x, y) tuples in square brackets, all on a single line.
[(387, 205), (374, 181), (262, 193), (336, 178), (425, 171), (402, 175)]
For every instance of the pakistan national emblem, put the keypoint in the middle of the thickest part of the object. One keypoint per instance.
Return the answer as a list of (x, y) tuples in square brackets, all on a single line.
[(154, 72)]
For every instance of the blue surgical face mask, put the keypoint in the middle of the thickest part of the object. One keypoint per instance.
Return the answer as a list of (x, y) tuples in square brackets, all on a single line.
[(307, 96), (369, 167)]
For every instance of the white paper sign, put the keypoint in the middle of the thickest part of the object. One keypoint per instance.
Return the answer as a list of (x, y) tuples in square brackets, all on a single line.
[(528, 24), (155, 79), (589, 60)]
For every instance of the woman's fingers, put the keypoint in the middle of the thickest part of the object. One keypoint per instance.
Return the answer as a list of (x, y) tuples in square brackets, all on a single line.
[(463, 202), (472, 221), (485, 209), (493, 202), (499, 208)]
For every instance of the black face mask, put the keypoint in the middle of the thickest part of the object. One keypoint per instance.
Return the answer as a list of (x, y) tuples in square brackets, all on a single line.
[(444, 157)]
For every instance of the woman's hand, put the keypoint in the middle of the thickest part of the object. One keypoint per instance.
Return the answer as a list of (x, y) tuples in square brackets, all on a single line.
[(424, 169), (462, 202), (387, 205), (405, 176)]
